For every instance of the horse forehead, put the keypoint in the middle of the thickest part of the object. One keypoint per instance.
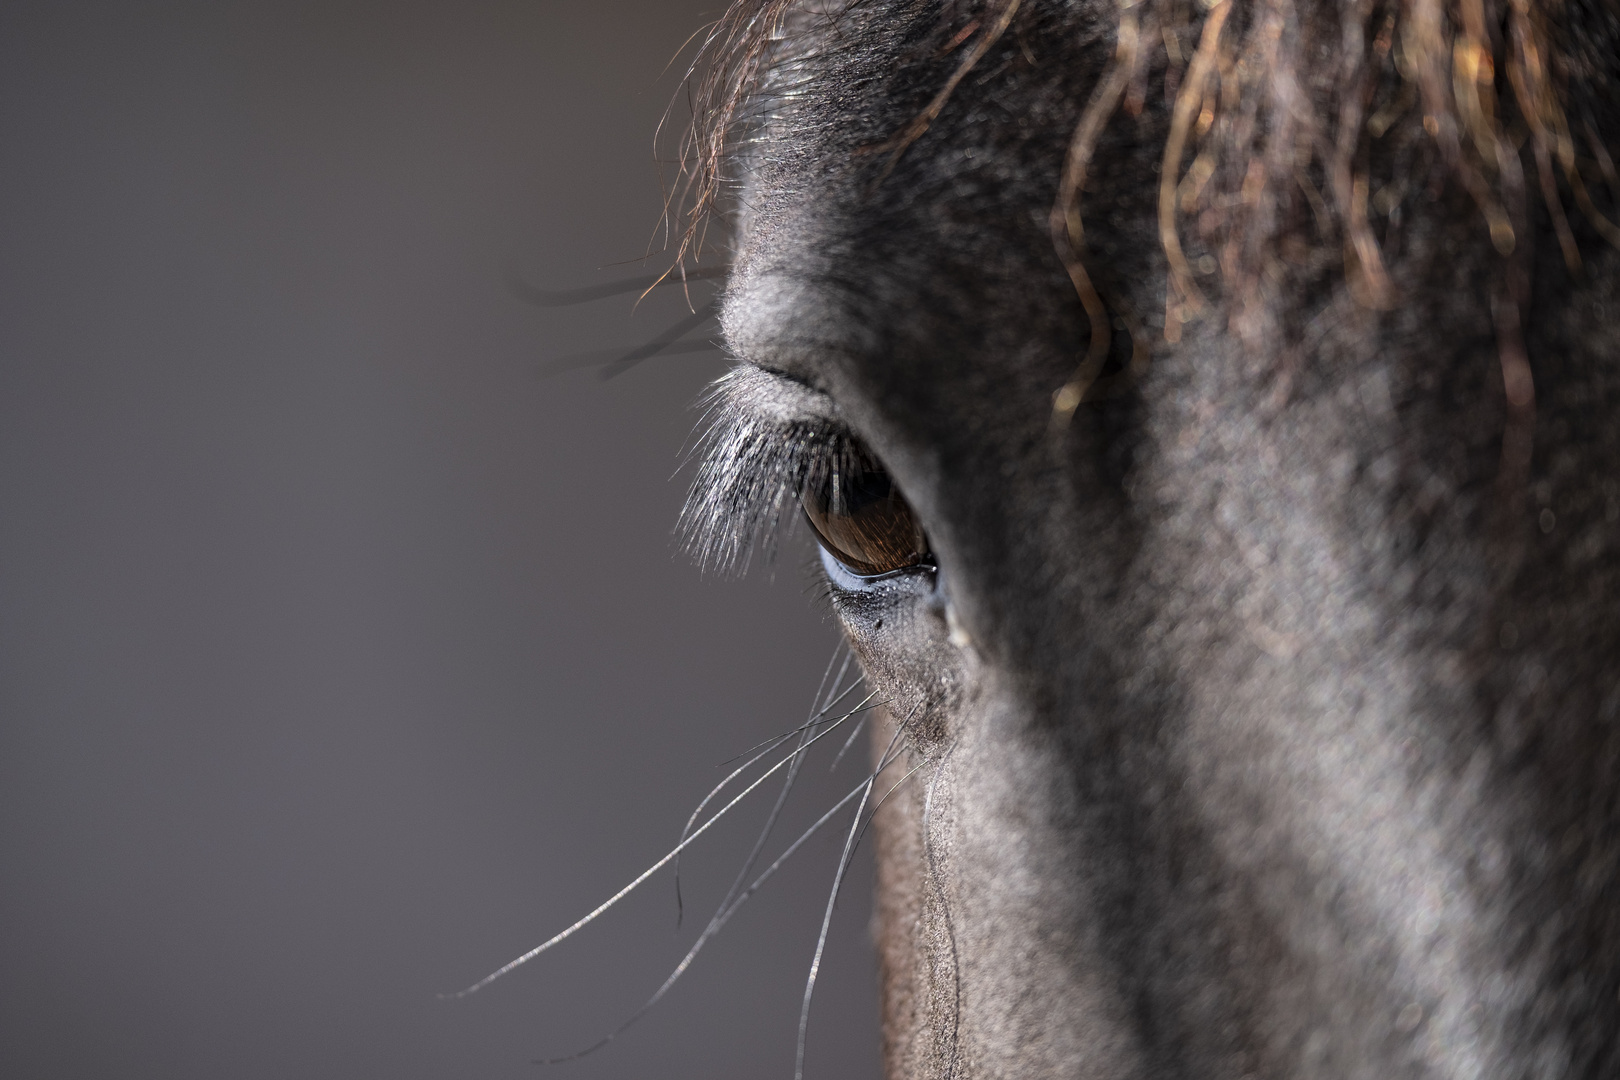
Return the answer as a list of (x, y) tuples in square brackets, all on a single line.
[(925, 304), (924, 275), (923, 293)]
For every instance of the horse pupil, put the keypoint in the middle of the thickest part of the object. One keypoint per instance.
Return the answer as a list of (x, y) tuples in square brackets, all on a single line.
[(864, 522)]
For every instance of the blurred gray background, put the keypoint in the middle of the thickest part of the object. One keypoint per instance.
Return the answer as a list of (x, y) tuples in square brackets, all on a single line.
[(344, 653)]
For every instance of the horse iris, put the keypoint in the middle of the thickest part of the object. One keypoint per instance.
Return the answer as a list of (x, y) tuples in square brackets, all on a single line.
[(864, 522)]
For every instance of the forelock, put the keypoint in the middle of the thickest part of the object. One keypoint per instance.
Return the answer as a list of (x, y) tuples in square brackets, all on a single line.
[(1285, 118)]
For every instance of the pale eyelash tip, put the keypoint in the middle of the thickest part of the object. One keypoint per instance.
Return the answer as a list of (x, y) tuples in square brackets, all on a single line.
[(757, 450)]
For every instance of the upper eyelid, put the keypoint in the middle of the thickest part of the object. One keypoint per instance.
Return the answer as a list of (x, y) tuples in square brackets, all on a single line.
[(764, 433), (771, 396)]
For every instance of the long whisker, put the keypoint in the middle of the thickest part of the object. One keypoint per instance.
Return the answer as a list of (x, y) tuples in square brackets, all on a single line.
[(832, 899), (831, 660), (661, 342), (680, 907), (770, 823), (644, 875), (728, 908), (607, 357), (719, 921), (849, 742), (849, 655), (735, 900), (889, 758), (549, 298), (769, 745), (859, 725), (821, 939), (879, 804), (777, 740)]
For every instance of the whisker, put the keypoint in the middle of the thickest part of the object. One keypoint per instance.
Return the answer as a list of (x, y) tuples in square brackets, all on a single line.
[(549, 298), (888, 760), (734, 900), (803, 838), (879, 804), (831, 660), (849, 742), (771, 744), (661, 342), (859, 724), (680, 907), (821, 939), (849, 655), (720, 919), (643, 876), (770, 822), (777, 740), (607, 357), (832, 899)]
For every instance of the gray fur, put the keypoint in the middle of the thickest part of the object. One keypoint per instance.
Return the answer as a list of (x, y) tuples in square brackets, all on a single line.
[(1278, 731)]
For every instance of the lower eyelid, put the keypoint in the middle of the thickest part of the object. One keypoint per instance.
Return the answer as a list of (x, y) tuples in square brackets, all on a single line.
[(844, 578), (838, 573)]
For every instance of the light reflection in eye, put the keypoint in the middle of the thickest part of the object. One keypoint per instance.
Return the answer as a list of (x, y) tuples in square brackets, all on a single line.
[(863, 521)]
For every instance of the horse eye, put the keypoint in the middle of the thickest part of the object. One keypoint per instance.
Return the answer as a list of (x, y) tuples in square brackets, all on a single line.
[(863, 521)]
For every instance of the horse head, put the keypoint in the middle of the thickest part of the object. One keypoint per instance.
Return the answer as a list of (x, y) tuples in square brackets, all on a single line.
[(1206, 413)]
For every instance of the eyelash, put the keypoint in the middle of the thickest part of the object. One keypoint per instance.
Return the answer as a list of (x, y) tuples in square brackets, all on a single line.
[(751, 474)]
